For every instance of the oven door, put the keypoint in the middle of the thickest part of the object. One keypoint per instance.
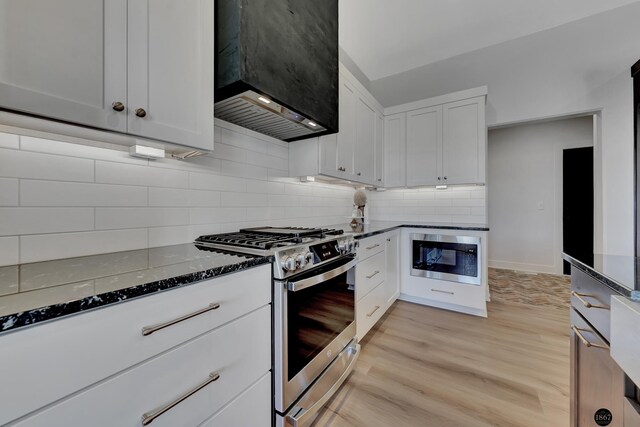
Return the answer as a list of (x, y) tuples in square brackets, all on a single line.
[(314, 321), (453, 258)]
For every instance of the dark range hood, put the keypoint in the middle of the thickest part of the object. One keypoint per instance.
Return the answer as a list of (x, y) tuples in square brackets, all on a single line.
[(277, 66)]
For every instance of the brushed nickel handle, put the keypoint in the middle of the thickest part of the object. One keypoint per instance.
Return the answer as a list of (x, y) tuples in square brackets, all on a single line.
[(438, 178), (587, 303), (374, 273), (148, 330), (148, 417), (118, 106), (445, 178), (379, 179), (341, 169), (374, 310), (140, 112), (359, 173), (443, 292), (371, 247), (586, 342), (388, 239)]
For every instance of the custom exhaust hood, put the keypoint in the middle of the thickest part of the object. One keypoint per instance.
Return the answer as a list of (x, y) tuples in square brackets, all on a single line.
[(277, 66)]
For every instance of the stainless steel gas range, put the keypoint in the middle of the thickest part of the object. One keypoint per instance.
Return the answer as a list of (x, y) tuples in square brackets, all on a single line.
[(315, 345)]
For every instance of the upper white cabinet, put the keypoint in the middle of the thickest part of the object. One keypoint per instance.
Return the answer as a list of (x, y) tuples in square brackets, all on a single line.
[(133, 66), (65, 59), (424, 146), (437, 141), (355, 153), (395, 136)]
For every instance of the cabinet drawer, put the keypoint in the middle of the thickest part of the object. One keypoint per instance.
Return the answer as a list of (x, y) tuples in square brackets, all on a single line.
[(251, 408), (369, 310), (89, 347), (593, 300), (240, 353), (370, 246), (369, 274), (448, 292)]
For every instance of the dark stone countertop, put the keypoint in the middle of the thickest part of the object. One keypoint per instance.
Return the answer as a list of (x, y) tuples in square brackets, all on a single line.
[(37, 292), (379, 227), (618, 272)]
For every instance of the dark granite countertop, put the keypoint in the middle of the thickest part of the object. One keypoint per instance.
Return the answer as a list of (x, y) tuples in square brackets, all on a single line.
[(620, 273), (37, 292), (379, 227)]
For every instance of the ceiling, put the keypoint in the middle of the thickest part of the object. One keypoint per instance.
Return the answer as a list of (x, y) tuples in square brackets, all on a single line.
[(386, 37)]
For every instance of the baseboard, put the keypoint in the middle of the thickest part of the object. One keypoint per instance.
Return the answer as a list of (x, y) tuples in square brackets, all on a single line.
[(533, 268), (444, 305)]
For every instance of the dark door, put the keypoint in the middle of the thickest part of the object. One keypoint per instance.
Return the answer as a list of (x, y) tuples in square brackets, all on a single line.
[(577, 204)]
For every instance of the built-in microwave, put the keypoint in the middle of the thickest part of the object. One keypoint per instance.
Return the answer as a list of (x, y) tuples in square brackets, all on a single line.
[(452, 258)]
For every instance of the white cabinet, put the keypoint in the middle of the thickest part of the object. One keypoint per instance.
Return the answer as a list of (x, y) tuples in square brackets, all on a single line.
[(377, 279), (353, 154), (424, 146), (131, 66), (65, 59), (104, 353), (395, 137), (464, 141), (437, 141), (379, 151)]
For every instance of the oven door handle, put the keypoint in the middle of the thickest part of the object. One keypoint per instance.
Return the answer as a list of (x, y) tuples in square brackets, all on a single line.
[(320, 278)]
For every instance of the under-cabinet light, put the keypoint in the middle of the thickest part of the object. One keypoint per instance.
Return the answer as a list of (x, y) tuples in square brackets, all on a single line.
[(441, 187), (265, 100)]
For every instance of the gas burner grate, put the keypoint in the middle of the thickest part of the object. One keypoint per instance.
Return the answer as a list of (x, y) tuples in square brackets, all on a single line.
[(265, 238)]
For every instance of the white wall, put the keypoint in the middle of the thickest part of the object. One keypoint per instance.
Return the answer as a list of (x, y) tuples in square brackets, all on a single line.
[(524, 175), (59, 199), (459, 204), (578, 66)]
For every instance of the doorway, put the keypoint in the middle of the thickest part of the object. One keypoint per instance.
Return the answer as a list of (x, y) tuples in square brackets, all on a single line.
[(577, 204)]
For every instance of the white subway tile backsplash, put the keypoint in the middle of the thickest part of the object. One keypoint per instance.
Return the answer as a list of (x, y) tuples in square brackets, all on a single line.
[(121, 173), (240, 140), (229, 152), (23, 164), (164, 236), (19, 221), (50, 146), (204, 181), (8, 140), (175, 197), (9, 250), (244, 170), (119, 218), (243, 199), (56, 193), (45, 247), (9, 280), (216, 215), (204, 198), (9, 190)]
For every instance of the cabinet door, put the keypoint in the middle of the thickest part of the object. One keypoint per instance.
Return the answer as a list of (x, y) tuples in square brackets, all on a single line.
[(379, 181), (392, 280), (65, 59), (364, 151), (347, 134), (328, 154), (395, 140), (424, 142), (170, 71), (464, 142)]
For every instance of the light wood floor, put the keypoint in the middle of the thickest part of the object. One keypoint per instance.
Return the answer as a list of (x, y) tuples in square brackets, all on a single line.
[(423, 366)]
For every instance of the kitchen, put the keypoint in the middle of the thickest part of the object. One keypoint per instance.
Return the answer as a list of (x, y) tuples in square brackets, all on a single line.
[(112, 165)]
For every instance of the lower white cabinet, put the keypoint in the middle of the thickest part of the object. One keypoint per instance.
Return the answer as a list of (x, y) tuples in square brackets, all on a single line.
[(153, 390), (377, 279), (248, 409), (97, 368)]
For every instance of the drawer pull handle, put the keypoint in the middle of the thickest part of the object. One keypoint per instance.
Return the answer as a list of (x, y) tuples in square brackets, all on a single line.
[(443, 292), (587, 303), (148, 330), (578, 332), (374, 246), (148, 417), (374, 273), (374, 310)]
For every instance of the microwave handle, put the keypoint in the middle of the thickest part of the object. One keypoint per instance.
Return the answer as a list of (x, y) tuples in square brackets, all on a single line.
[(320, 278)]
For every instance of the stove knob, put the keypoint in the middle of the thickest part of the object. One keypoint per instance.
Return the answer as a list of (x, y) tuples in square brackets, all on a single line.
[(288, 264), (351, 245), (343, 246), (301, 261), (308, 257)]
